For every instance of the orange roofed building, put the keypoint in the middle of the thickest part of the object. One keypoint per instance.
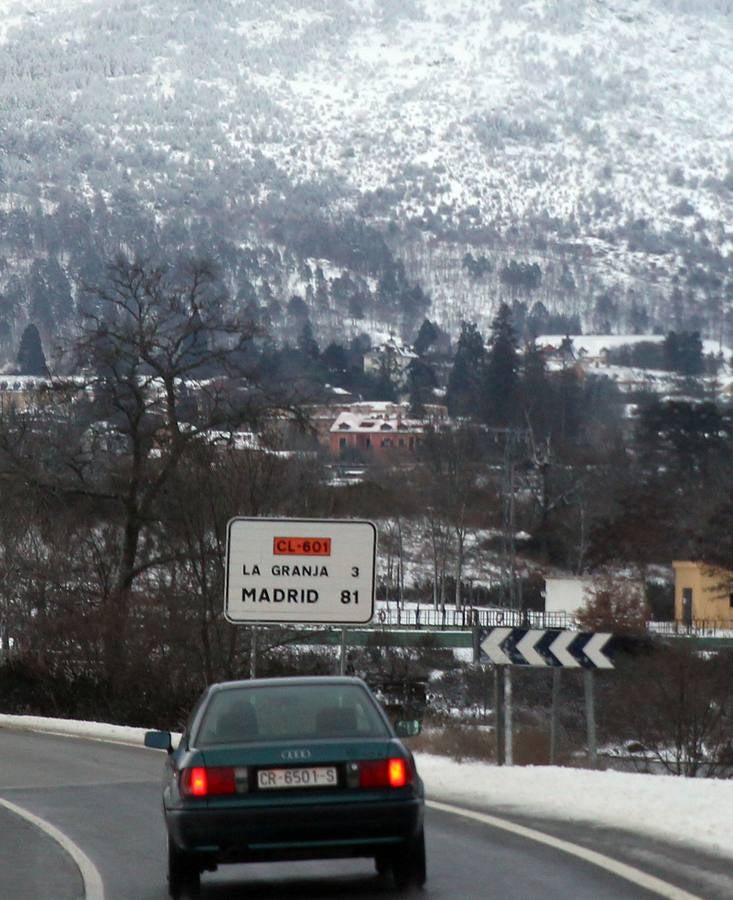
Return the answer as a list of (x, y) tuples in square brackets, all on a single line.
[(382, 431)]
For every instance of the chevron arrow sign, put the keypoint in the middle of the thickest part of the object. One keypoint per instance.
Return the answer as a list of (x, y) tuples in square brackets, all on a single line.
[(549, 647)]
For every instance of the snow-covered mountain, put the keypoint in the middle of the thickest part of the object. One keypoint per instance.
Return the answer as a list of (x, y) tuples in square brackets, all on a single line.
[(573, 153)]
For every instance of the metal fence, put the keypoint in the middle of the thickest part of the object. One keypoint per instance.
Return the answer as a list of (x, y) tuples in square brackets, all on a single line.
[(698, 628), (393, 615)]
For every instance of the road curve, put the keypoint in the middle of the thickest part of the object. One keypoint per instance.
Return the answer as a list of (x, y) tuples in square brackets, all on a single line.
[(105, 799)]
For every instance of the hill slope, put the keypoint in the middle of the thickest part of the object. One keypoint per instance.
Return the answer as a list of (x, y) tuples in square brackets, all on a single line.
[(589, 138)]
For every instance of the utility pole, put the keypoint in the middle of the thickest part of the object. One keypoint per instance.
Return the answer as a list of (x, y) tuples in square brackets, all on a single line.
[(508, 523)]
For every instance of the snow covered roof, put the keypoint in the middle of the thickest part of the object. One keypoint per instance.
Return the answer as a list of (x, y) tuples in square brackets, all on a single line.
[(237, 440), (376, 407), (366, 424), (395, 347)]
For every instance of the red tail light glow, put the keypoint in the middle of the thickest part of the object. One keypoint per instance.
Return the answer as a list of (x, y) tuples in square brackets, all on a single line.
[(383, 773), (397, 772), (211, 782)]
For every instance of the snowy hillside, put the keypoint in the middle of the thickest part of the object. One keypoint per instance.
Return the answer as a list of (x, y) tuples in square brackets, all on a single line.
[(589, 138)]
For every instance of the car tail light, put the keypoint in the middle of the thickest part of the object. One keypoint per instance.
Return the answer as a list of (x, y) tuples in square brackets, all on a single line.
[(398, 773), (215, 781), (382, 773)]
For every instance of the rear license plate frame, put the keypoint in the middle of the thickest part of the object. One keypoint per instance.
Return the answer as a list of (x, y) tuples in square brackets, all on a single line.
[(293, 777)]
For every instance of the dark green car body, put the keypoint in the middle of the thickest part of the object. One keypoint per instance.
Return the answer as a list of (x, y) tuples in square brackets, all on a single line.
[(298, 769)]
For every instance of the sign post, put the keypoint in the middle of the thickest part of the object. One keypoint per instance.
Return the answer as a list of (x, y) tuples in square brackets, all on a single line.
[(499, 716), (508, 718), (342, 657), (590, 719), (300, 571), (554, 714), (550, 648)]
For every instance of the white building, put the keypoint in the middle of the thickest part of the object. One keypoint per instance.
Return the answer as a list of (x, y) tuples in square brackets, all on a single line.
[(566, 595)]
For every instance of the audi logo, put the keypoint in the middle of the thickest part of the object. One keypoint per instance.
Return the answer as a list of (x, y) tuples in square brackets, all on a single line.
[(295, 754)]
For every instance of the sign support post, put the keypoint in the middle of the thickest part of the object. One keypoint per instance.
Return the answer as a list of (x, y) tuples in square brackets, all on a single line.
[(342, 659), (590, 714), (554, 714), (253, 652), (547, 648), (508, 710), (499, 713)]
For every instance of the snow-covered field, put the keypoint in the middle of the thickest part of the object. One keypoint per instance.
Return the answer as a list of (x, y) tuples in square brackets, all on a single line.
[(594, 344), (659, 806)]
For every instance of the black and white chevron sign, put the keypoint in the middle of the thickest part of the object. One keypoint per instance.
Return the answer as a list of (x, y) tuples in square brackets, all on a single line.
[(545, 647)]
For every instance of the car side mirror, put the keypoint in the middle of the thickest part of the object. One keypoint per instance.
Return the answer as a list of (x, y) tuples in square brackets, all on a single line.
[(407, 728), (159, 740)]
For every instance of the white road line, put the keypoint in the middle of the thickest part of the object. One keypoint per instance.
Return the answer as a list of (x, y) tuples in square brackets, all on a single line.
[(622, 870), (93, 885)]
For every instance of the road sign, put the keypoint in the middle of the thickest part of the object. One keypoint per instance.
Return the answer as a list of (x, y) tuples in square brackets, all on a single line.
[(549, 647), (288, 571)]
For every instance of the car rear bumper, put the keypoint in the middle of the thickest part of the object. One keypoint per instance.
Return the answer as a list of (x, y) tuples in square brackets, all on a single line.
[(296, 832)]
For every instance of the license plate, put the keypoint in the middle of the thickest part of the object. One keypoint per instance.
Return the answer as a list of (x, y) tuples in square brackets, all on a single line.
[(312, 776)]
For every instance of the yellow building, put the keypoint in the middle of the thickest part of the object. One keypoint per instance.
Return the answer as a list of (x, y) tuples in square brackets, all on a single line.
[(702, 594)]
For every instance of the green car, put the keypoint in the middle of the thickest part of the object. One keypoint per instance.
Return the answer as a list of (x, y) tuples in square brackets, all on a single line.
[(286, 769)]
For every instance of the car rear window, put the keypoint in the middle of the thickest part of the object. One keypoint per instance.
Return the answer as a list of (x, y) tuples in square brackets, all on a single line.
[(290, 712)]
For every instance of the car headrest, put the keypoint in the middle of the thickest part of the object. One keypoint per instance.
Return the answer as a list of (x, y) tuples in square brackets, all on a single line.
[(237, 723), (335, 721)]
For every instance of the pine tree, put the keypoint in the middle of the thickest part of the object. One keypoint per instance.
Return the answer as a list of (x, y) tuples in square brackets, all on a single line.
[(335, 361), (307, 343), (384, 386), (536, 392), (683, 353), (421, 382), (500, 394), (464, 384), (426, 337), (31, 359)]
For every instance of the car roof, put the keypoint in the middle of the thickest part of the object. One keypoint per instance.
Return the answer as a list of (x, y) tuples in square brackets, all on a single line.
[(297, 680)]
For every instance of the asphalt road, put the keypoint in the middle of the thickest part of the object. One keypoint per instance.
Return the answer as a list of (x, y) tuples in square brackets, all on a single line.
[(105, 798)]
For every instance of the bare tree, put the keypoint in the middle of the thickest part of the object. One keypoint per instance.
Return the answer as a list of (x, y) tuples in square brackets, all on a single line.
[(615, 604), (458, 500), (682, 710), (216, 483), (162, 363)]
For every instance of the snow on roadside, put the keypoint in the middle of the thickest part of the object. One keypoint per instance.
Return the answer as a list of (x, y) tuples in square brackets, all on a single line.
[(690, 811), (121, 734), (660, 806)]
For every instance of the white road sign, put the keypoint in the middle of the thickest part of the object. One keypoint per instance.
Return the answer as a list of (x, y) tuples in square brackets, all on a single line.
[(317, 571)]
